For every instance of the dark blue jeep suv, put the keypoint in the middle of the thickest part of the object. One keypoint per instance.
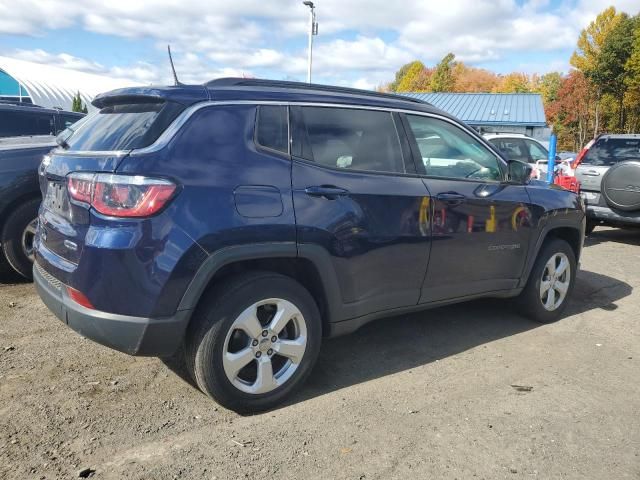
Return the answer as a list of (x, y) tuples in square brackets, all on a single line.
[(246, 219)]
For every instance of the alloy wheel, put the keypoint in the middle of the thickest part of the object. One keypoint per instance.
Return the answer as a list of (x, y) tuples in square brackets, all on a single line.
[(264, 346), (28, 236), (556, 278)]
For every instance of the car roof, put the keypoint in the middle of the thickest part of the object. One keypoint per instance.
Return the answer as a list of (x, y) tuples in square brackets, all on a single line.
[(619, 135), (505, 135), (251, 89)]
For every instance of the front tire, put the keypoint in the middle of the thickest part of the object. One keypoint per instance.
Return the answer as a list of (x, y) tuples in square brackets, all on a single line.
[(18, 235), (253, 342), (550, 283)]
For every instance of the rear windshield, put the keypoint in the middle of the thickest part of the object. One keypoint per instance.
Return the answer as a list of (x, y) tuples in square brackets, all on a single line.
[(123, 126), (609, 151)]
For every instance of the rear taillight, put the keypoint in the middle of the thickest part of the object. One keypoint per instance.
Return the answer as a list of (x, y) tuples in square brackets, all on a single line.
[(120, 195)]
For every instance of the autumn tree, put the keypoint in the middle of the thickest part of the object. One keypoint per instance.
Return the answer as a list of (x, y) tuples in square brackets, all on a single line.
[(513, 83), (632, 82), (473, 80), (442, 79), (412, 77), (570, 112)]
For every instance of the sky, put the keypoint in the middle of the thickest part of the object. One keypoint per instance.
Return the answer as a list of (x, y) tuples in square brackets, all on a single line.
[(360, 43)]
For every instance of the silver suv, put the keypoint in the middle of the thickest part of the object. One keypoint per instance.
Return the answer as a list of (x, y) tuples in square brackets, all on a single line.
[(609, 173)]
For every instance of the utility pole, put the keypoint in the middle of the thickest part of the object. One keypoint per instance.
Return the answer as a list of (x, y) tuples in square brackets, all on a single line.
[(313, 30)]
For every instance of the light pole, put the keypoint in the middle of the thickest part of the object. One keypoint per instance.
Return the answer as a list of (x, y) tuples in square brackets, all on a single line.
[(313, 30)]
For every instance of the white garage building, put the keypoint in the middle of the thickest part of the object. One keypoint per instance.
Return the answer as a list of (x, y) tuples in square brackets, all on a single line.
[(50, 86)]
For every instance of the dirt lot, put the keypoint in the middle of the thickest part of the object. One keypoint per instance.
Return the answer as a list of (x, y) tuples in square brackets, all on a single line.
[(428, 395)]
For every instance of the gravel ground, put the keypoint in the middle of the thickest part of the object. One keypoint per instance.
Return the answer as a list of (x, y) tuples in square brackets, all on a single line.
[(468, 391)]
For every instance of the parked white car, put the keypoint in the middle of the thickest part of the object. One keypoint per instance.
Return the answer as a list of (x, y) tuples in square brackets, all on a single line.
[(517, 146)]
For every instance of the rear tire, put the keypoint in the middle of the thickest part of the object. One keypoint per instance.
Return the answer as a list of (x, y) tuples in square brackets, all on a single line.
[(232, 359), (546, 294), (17, 237)]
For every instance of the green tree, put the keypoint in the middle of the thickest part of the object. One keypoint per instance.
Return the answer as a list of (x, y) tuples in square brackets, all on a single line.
[(590, 44), (76, 104), (592, 38), (610, 70), (549, 86), (442, 79)]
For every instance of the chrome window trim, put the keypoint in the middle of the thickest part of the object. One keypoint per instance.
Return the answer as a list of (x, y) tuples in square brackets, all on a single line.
[(175, 126), (89, 153)]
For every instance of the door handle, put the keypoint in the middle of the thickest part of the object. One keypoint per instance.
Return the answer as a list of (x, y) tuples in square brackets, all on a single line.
[(591, 173), (451, 197), (327, 191)]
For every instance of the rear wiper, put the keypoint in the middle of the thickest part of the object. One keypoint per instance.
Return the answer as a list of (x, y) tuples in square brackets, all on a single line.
[(62, 138)]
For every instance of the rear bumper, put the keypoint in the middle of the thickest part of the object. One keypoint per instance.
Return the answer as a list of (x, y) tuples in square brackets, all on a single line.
[(606, 215), (133, 335)]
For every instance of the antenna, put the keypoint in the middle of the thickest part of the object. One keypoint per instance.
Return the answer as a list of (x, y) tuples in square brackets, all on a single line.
[(173, 69)]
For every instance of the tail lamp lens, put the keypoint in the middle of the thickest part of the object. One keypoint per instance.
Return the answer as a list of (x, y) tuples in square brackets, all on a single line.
[(120, 195)]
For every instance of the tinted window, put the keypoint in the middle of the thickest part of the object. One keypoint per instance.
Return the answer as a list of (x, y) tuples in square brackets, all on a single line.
[(609, 151), (272, 130), (448, 151), (123, 127), (536, 151), (15, 123), (352, 139), (511, 148), (67, 120)]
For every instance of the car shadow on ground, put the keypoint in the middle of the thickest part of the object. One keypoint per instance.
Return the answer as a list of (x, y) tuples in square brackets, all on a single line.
[(400, 343), (629, 236)]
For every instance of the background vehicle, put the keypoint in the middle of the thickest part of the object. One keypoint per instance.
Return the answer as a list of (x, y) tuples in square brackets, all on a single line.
[(516, 146), (23, 119), (609, 171), (19, 200), (245, 219), (26, 135)]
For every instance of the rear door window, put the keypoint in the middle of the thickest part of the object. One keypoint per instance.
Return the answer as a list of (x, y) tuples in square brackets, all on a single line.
[(609, 151), (123, 126), (349, 138)]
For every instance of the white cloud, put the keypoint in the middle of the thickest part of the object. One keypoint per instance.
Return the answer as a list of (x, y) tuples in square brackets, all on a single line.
[(361, 41)]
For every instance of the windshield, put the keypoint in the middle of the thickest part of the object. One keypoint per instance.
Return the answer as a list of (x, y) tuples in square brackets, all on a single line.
[(609, 151), (120, 127)]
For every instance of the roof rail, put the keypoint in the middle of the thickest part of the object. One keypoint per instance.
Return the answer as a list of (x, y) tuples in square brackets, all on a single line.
[(260, 82)]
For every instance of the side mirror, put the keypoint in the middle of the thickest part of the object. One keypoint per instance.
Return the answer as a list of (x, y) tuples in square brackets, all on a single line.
[(558, 159), (519, 172)]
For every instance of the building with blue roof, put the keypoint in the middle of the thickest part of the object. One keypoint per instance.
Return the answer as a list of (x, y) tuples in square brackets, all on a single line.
[(494, 112)]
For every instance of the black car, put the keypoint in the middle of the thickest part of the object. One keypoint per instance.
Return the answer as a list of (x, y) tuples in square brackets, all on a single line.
[(26, 135), (23, 119), (246, 219)]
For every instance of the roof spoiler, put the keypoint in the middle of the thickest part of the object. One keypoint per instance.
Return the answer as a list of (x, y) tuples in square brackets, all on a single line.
[(182, 94)]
